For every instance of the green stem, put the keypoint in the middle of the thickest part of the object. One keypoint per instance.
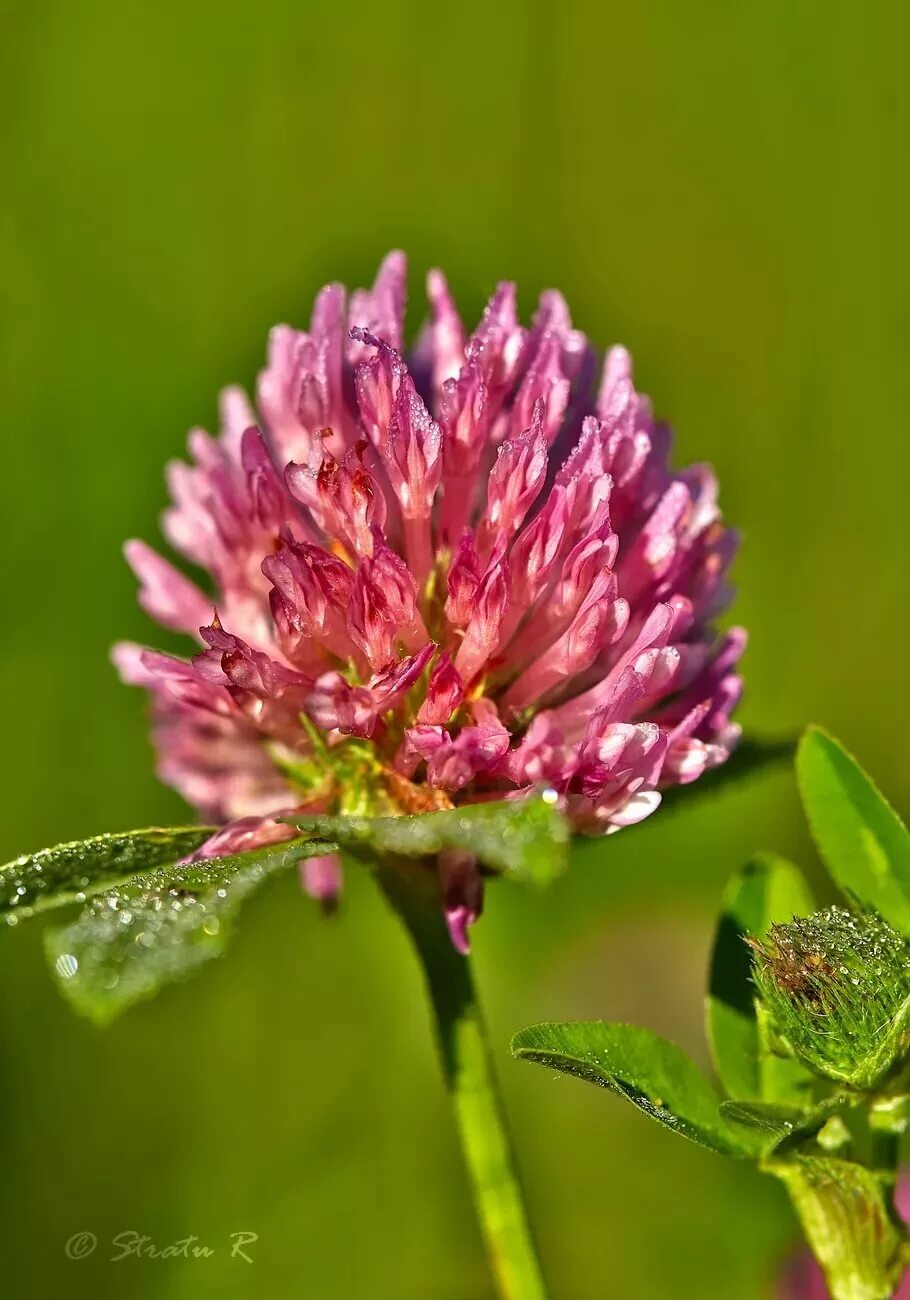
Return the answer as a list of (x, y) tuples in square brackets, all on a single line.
[(888, 1118), (469, 1074)]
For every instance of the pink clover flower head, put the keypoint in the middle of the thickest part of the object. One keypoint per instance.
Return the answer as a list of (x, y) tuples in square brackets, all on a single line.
[(435, 578)]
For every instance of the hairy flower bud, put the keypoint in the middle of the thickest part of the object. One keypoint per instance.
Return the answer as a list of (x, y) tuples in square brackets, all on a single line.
[(837, 986)]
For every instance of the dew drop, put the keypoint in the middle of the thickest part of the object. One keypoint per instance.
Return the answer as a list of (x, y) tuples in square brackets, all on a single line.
[(66, 965)]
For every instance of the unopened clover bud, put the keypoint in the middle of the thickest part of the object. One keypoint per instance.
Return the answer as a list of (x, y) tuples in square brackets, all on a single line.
[(837, 986)]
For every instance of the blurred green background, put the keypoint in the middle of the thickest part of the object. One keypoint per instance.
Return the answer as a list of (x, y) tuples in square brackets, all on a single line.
[(717, 185)]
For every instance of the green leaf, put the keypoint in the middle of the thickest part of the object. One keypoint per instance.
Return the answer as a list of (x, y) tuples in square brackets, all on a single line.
[(526, 839), (781, 1126), (764, 1117), (863, 842), (766, 891), (70, 872), (159, 926), (655, 1075)]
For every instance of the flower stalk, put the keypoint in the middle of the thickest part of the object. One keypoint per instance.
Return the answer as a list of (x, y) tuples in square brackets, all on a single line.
[(470, 1079)]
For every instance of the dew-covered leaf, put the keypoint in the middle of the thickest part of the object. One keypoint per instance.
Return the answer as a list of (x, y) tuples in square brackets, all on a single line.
[(526, 839), (652, 1073), (766, 891), (70, 872), (863, 842), (159, 926)]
